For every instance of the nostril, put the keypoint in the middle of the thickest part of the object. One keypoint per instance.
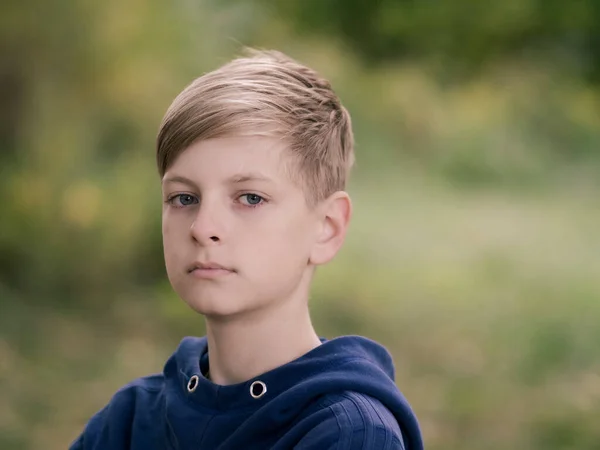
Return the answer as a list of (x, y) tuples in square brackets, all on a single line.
[(214, 238)]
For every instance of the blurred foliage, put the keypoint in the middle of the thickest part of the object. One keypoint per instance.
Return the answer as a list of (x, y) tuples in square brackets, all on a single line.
[(456, 36), (473, 254)]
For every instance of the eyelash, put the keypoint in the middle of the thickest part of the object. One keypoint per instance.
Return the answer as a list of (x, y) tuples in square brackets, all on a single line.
[(173, 197)]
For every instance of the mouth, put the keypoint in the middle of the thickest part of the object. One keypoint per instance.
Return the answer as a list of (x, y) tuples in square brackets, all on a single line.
[(209, 270)]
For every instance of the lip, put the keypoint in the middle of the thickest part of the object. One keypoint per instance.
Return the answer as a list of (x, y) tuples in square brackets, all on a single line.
[(208, 270)]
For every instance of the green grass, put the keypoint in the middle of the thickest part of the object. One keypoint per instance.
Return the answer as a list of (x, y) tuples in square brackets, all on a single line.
[(489, 303), (487, 300)]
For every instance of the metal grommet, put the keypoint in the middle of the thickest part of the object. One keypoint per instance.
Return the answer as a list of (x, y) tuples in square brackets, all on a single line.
[(258, 389), (192, 384)]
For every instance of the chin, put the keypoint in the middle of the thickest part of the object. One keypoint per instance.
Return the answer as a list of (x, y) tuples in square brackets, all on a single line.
[(216, 305)]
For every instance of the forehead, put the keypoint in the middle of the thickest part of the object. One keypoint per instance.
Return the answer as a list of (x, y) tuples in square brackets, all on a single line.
[(230, 155)]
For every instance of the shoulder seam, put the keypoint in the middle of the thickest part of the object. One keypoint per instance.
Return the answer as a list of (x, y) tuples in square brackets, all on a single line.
[(337, 420), (368, 426)]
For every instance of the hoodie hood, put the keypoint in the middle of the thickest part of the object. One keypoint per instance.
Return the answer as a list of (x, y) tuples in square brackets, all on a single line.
[(349, 363)]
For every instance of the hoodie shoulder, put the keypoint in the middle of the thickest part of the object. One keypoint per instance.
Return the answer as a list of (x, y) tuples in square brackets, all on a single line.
[(110, 427), (356, 422)]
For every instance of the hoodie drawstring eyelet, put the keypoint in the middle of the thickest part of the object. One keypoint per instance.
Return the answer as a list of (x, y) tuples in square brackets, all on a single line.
[(192, 384), (258, 389)]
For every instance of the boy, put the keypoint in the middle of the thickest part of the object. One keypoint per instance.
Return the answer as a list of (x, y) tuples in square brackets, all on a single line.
[(254, 158)]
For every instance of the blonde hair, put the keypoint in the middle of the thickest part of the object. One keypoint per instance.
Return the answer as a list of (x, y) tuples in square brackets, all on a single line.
[(266, 93)]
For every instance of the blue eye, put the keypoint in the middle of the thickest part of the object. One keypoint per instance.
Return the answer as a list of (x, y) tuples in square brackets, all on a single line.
[(186, 199), (252, 199), (181, 200)]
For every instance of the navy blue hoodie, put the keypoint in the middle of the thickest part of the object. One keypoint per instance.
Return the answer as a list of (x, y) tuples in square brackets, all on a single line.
[(340, 395)]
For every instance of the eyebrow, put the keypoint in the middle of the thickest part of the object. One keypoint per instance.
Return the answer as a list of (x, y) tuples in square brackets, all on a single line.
[(179, 179), (251, 176), (236, 179)]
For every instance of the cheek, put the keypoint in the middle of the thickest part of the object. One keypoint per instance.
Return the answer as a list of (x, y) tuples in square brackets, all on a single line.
[(174, 228), (166, 228), (166, 238), (170, 240), (287, 238)]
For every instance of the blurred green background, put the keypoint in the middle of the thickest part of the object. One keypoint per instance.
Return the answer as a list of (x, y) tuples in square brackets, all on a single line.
[(474, 254)]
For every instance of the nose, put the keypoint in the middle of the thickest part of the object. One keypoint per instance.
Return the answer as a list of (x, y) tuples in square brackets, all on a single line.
[(208, 226)]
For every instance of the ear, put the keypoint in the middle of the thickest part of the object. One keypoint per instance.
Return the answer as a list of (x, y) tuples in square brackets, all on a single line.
[(335, 213)]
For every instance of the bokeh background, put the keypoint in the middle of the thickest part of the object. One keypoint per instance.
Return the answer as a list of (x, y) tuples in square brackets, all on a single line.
[(474, 254)]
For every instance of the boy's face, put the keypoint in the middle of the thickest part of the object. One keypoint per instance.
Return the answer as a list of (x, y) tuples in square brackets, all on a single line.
[(238, 234)]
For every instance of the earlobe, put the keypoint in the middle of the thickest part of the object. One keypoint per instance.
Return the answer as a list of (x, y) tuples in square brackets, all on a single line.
[(336, 214)]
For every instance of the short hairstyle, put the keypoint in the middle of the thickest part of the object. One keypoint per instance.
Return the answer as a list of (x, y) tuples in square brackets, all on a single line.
[(266, 93)]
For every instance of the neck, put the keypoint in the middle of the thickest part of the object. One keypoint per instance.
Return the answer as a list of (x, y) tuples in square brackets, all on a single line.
[(242, 348)]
